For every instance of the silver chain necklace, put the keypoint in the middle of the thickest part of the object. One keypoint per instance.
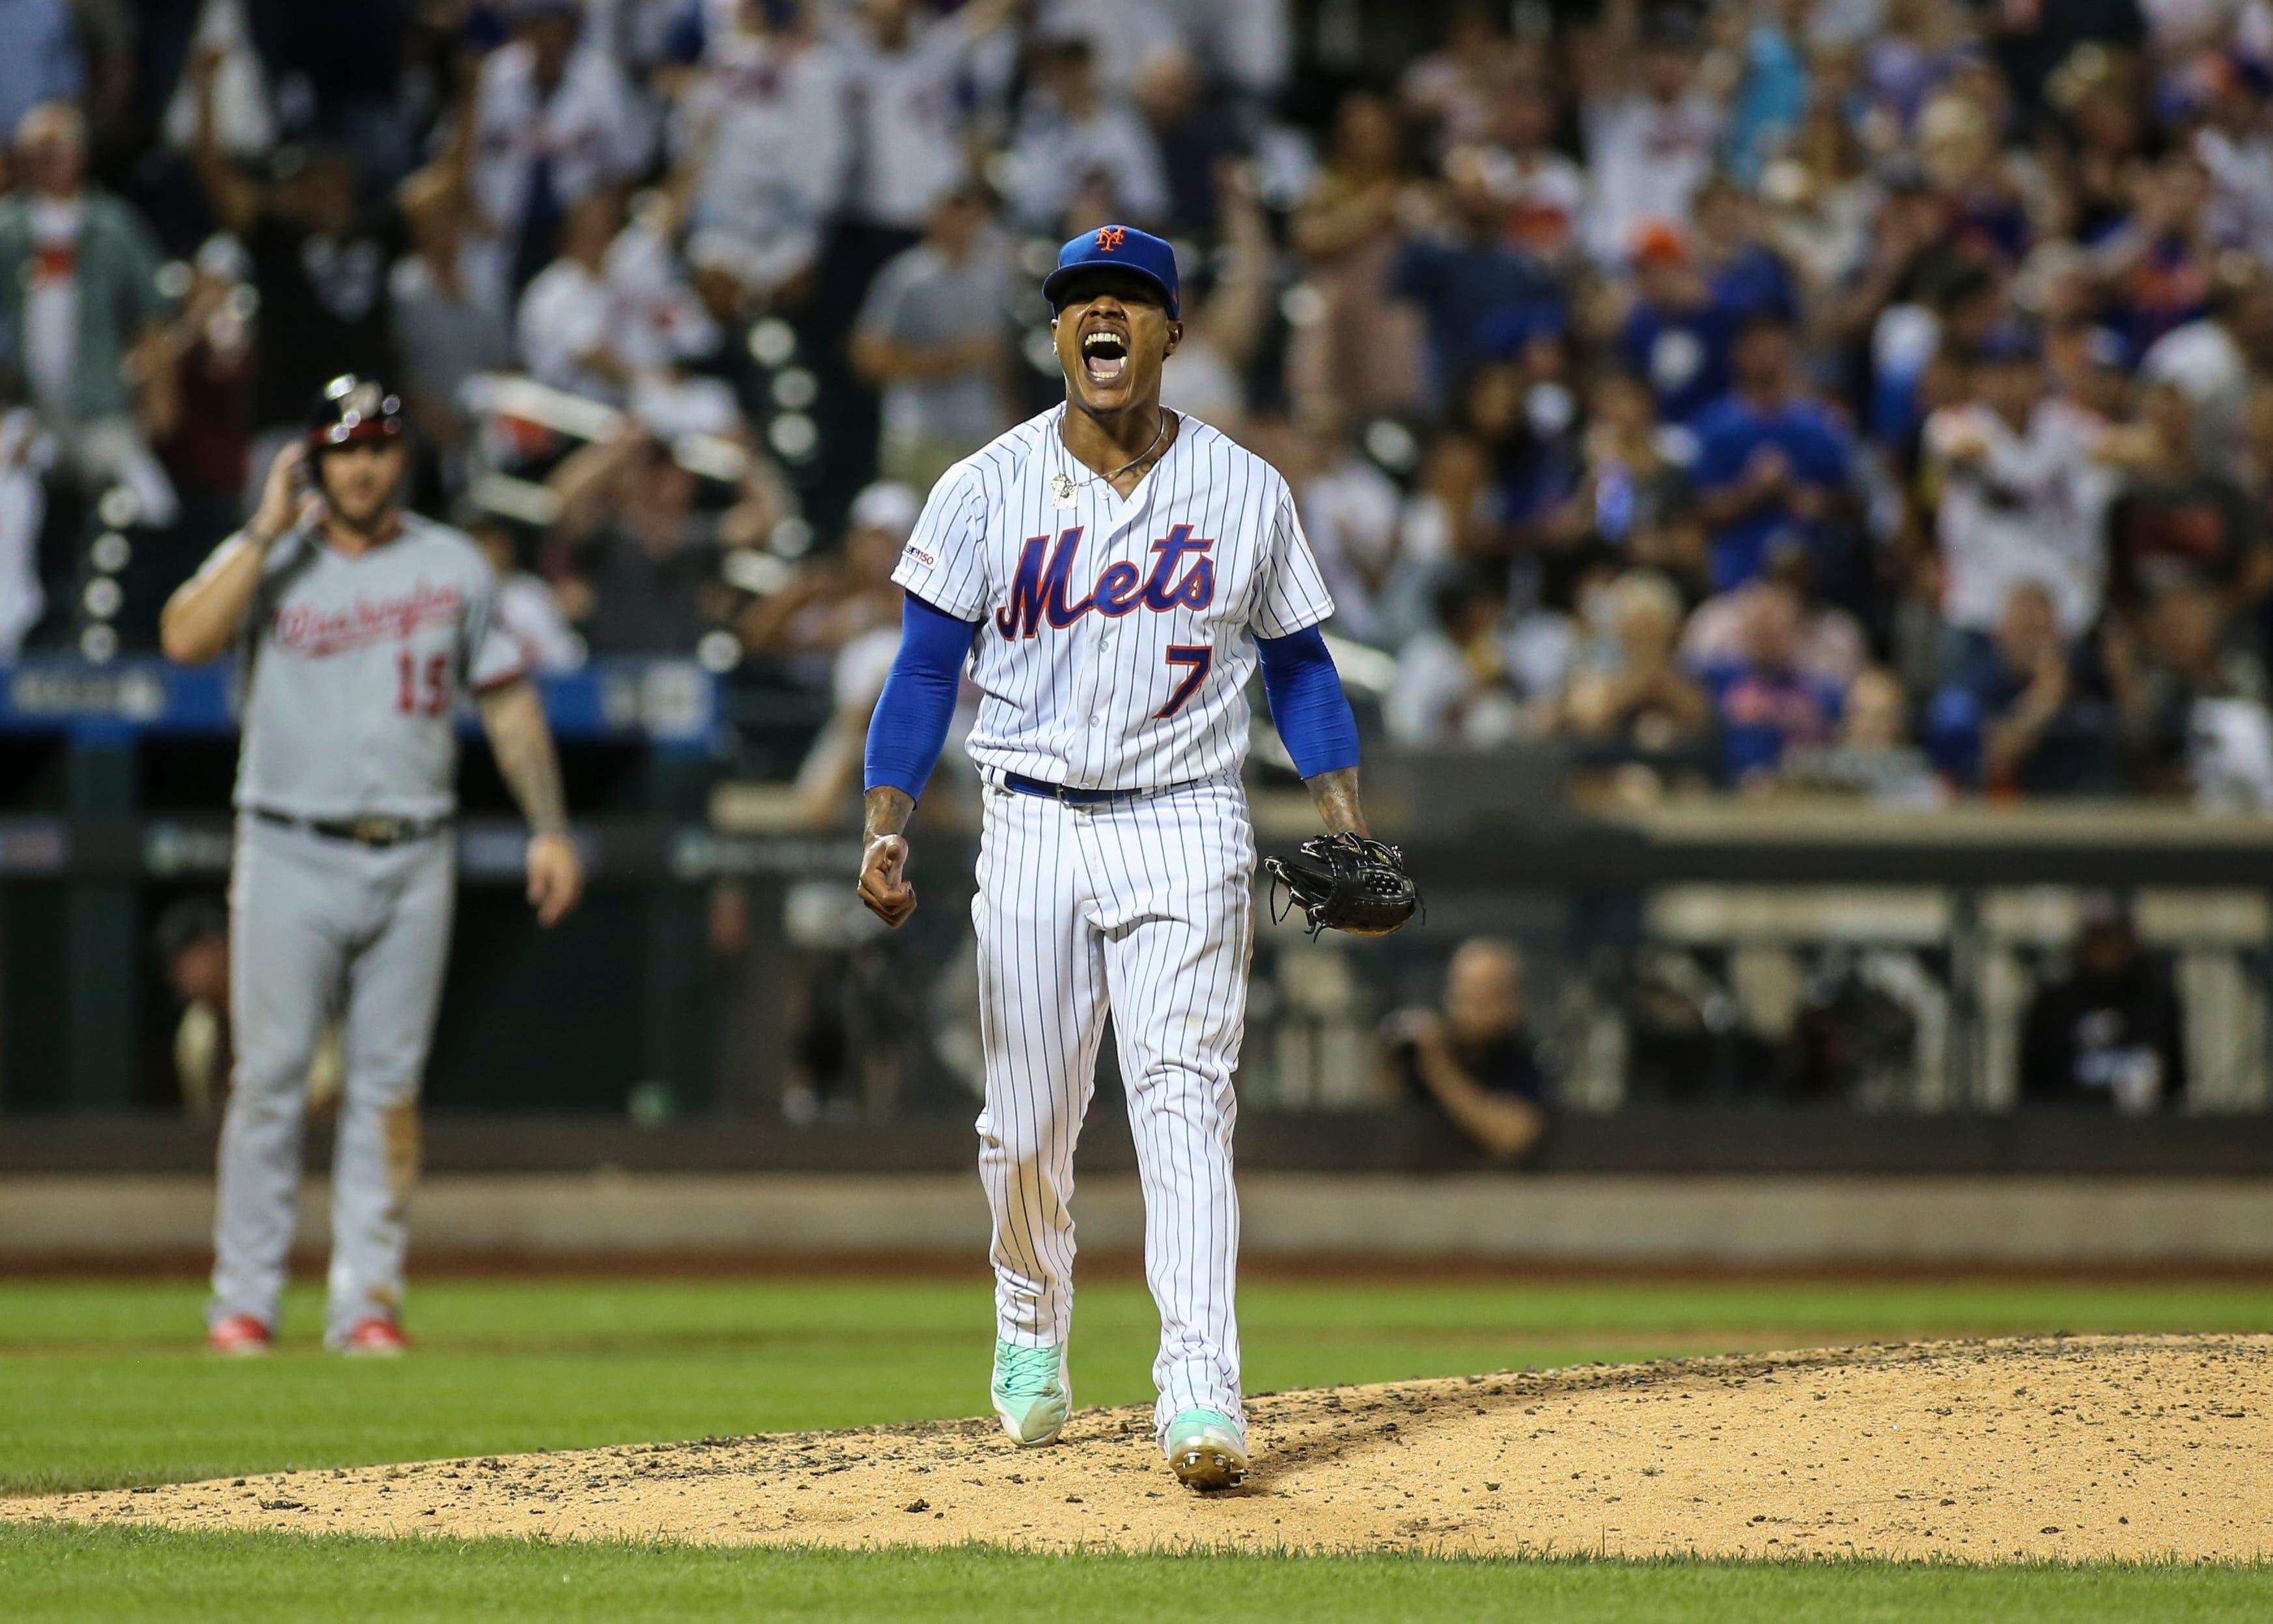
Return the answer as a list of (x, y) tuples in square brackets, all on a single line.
[(1062, 485)]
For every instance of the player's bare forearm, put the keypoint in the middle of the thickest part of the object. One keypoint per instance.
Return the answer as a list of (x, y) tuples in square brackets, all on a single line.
[(1336, 796), (885, 811), (513, 717), (202, 617), (884, 885)]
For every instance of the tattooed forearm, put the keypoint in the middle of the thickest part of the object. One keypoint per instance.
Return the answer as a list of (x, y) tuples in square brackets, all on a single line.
[(1337, 798), (885, 812), (515, 719)]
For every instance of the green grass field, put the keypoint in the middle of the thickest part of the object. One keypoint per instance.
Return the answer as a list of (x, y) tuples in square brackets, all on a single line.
[(102, 1384)]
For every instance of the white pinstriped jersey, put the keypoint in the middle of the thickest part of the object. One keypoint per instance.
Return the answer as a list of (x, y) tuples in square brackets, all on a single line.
[(1116, 634)]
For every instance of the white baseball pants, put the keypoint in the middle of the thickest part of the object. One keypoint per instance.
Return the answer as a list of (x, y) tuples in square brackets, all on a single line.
[(1141, 907)]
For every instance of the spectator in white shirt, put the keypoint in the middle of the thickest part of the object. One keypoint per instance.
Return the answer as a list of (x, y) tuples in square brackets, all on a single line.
[(1651, 130), (553, 121), (568, 334), (2022, 496), (1074, 135), (901, 69), (2235, 147), (1452, 511), (764, 153), (664, 324), (25, 451), (1544, 191), (613, 320), (1452, 685), (909, 76), (526, 607)]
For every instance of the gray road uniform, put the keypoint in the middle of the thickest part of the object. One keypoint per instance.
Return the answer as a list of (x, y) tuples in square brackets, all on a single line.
[(341, 898)]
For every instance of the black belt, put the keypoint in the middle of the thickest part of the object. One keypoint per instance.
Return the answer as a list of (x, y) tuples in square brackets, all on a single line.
[(1025, 785), (372, 831)]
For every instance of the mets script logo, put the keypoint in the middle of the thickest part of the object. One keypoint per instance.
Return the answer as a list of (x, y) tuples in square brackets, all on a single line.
[(1037, 593), (1110, 237)]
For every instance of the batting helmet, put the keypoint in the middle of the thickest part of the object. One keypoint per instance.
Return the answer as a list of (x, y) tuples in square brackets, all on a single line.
[(353, 407)]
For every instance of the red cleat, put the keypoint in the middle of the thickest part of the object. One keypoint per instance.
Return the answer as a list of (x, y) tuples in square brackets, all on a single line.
[(375, 1338), (237, 1335)]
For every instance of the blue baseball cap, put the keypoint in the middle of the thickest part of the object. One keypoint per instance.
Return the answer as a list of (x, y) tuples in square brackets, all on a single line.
[(1116, 248)]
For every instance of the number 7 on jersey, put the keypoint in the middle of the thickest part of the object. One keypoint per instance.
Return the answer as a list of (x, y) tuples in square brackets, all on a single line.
[(1201, 658)]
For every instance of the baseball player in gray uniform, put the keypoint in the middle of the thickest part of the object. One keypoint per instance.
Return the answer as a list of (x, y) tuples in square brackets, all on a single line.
[(362, 627)]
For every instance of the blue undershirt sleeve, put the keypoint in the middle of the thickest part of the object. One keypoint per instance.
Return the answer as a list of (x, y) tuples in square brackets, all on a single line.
[(1308, 705), (910, 725)]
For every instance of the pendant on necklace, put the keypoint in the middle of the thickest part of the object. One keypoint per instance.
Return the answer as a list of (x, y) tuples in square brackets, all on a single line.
[(1061, 490)]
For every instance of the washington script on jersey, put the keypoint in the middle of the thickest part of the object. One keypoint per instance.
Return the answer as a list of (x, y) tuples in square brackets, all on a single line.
[(307, 628), (1037, 592)]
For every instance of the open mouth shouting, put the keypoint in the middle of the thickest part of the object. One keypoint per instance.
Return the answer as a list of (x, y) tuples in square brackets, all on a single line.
[(1104, 355)]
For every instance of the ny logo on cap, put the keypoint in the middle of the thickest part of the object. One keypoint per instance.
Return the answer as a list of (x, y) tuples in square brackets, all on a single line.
[(364, 401), (1110, 237)]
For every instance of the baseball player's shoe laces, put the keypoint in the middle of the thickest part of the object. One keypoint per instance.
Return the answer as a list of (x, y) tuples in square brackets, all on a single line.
[(1205, 1450), (1031, 1392)]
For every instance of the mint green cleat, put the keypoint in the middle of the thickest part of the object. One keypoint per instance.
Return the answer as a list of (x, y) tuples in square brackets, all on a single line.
[(1206, 1451), (1033, 1393)]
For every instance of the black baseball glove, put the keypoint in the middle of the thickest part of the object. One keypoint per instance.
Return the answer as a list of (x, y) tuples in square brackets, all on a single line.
[(1346, 882)]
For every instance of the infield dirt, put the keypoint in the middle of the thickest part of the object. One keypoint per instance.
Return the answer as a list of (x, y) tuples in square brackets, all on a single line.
[(2083, 1447)]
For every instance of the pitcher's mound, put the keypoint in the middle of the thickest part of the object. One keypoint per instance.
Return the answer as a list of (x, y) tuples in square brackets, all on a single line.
[(1984, 1451)]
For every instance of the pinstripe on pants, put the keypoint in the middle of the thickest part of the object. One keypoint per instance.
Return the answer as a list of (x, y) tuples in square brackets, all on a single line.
[(1141, 907)]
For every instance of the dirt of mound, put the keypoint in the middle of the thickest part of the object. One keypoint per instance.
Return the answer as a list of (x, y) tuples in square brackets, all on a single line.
[(1983, 1451)]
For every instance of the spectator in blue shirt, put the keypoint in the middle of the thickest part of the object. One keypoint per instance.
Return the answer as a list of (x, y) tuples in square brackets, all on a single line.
[(1772, 461), (1464, 281), (2013, 723), (1742, 272), (1766, 703), (1678, 336)]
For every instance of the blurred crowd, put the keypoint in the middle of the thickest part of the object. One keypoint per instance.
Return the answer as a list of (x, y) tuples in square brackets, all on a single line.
[(1865, 396), (2104, 1029)]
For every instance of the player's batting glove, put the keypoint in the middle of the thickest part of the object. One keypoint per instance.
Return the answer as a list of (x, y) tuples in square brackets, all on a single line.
[(1345, 882)]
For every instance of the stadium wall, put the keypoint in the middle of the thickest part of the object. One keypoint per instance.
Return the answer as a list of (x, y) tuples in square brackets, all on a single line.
[(701, 1221)]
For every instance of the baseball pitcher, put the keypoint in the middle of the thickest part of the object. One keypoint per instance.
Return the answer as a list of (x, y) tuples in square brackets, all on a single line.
[(1111, 573), (361, 626)]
